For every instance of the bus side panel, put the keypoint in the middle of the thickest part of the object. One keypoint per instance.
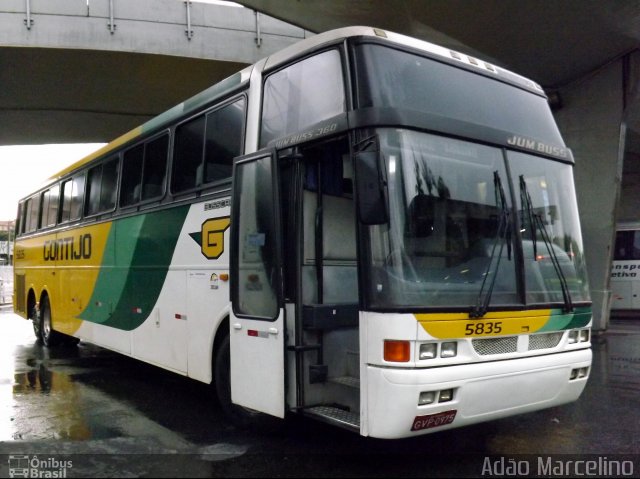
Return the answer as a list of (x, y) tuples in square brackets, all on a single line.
[(162, 338), (203, 250), (154, 306), (29, 263), (180, 331), (127, 289), (81, 254)]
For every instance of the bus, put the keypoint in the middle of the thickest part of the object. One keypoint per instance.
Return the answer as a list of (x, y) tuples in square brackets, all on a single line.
[(363, 228), (625, 270)]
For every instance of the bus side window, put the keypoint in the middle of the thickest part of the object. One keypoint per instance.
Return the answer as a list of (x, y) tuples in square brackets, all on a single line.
[(627, 246), (50, 200), (72, 198), (102, 187), (155, 167), (223, 140), (44, 202), (143, 171), (187, 155), (32, 210), (291, 100), (131, 175), (18, 225)]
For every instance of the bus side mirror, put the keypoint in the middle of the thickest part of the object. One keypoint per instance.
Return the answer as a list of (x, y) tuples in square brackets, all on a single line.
[(371, 188)]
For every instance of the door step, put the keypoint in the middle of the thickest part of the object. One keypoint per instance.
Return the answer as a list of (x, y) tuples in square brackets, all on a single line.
[(339, 417), (348, 381)]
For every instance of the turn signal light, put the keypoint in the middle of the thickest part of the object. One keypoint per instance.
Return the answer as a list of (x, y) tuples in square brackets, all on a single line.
[(397, 351)]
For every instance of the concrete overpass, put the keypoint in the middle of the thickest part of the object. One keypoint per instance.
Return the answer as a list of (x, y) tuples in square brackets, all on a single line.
[(90, 70), (93, 69)]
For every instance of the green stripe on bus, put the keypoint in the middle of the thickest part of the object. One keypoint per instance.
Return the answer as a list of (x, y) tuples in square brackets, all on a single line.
[(558, 320), (137, 259)]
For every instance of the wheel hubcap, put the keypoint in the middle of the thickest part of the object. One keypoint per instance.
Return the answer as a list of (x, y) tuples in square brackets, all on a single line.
[(46, 323)]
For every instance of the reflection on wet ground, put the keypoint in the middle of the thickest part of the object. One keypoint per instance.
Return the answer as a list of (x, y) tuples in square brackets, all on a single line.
[(87, 400)]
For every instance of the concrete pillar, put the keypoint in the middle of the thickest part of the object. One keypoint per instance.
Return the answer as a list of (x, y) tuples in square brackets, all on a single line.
[(590, 120)]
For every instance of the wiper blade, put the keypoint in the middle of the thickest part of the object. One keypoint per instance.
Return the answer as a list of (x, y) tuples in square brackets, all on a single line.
[(535, 220), (502, 237), (525, 199)]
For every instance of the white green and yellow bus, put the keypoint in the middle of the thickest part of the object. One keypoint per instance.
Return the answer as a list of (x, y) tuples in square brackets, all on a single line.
[(364, 228)]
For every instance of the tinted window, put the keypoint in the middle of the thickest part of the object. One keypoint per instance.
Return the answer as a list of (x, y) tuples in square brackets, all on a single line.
[(19, 219), (131, 175), (187, 160), (32, 214), (44, 201), (143, 172), (72, 197), (255, 290), (224, 134), (549, 226), (301, 95), (393, 78), (50, 202), (627, 246), (102, 187), (155, 167)]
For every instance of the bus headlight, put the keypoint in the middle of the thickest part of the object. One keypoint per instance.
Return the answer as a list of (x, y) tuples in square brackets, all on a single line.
[(446, 395), (426, 397), (579, 336), (449, 350), (428, 350)]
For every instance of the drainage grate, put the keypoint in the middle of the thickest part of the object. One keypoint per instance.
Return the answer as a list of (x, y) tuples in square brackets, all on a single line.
[(488, 346), (544, 341)]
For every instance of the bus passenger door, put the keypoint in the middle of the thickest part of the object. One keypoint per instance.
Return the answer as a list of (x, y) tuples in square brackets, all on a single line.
[(257, 319)]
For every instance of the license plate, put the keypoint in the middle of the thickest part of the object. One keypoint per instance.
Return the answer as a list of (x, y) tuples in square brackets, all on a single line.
[(433, 420)]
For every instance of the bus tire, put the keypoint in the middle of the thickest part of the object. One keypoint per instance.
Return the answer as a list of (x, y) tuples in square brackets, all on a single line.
[(34, 315), (50, 338), (237, 415)]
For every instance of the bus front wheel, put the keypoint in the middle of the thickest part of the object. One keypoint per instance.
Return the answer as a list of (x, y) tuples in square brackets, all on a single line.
[(238, 415)]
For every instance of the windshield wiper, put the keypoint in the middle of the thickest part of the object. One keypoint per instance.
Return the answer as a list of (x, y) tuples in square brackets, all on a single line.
[(502, 237), (536, 224)]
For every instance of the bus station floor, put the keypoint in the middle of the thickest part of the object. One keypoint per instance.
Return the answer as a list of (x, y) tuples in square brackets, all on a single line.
[(112, 416)]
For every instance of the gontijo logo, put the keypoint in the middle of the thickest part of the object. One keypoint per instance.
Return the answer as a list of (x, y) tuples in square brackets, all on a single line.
[(211, 236), (69, 248)]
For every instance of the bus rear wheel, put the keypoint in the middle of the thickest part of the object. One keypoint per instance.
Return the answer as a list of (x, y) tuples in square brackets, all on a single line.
[(34, 315), (49, 337)]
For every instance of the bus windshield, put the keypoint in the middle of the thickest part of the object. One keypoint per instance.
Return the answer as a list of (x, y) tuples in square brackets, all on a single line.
[(450, 227)]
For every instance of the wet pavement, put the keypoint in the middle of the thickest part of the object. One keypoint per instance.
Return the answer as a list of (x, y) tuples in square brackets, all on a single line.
[(87, 412)]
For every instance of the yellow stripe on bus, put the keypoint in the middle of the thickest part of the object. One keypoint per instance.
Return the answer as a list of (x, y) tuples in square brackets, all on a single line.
[(496, 323)]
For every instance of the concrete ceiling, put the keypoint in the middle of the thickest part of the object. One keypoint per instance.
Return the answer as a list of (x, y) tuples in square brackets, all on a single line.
[(50, 95), (552, 42)]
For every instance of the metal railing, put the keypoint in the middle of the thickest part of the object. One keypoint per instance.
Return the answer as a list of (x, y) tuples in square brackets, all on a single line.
[(111, 22)]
